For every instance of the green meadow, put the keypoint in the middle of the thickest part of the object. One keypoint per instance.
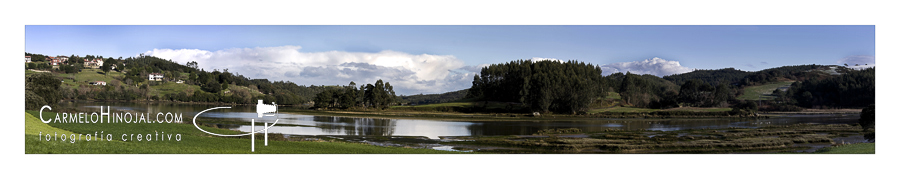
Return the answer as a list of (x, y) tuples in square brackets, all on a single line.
[(173, 88), (763, 92), (88, 75), (859, 148)]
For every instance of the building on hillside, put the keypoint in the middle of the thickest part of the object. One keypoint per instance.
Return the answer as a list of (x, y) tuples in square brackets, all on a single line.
[(179, 81), (98, 83), (94, 63), (54, 61), (63, 59), (156, 77), (27, 59)]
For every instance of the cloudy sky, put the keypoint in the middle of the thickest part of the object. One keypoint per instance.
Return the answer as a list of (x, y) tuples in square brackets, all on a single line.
[(435, 59)]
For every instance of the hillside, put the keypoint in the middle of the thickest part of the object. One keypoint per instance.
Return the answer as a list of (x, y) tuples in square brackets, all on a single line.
[(421, 99), (530, 86), (179, 82), (763, 92), (713, 77)]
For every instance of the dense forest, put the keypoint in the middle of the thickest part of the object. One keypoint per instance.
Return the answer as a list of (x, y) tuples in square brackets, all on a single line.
[(378, 96), (852, 89), (713, 77), (420, 99), (797, 72), (543, 86), (646, 90)]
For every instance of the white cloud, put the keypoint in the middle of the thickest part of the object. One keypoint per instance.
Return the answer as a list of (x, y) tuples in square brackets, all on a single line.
[(862, 67), (857, 60), (537, 59), (476, 68), (408, 73), (654, 66)]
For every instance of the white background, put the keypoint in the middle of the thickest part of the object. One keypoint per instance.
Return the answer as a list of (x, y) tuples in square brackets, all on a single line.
[(165, 12)]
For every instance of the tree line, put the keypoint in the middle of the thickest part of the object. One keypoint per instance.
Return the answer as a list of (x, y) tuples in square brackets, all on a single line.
[(855, 88), (421, 99), (378, 96), (570, 87), (728, 76), (543, 86)]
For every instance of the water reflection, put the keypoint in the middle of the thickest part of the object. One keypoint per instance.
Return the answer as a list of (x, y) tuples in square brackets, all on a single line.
[(433, 129), (356, 126), (326, 125)]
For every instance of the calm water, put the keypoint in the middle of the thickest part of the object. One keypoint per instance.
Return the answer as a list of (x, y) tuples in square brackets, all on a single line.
[(326, 125)]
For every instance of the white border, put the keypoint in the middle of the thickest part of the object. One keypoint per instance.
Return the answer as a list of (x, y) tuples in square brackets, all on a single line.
[(759, 12)]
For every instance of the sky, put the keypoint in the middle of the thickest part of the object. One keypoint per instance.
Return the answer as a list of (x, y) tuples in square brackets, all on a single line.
[(436, 59)]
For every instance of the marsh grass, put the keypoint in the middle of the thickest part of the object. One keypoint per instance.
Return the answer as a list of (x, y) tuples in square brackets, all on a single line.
[(763, 140), (859, 148), (558, 131), (622, 110)]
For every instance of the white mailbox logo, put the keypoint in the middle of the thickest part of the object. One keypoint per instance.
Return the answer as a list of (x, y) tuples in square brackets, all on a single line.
[(261, 111)]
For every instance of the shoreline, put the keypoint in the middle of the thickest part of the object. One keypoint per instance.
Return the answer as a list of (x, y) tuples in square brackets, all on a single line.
[(817, 111), (457, 116), (511, 117), (172, 102)]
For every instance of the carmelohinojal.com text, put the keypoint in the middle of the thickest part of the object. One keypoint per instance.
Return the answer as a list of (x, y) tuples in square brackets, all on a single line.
[(94, 118)]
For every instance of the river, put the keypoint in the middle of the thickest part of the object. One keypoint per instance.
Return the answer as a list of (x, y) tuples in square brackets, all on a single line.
[(434, 129)]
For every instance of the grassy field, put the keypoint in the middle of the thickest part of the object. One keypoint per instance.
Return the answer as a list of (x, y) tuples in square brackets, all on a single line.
[(762, 91), (255, 92), (859, 148), (634, 109), (34, 126), (459, 104), (698, 109), (613, 95), (172, 87), (447, 107), (29, 72), (622, 109), (88, 75), (193, 141)]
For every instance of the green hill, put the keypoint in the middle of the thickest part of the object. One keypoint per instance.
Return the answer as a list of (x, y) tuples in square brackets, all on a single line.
[(763, 92)]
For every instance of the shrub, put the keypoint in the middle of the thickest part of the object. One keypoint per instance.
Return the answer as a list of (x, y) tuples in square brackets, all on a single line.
[(867, 118), (33, 101)]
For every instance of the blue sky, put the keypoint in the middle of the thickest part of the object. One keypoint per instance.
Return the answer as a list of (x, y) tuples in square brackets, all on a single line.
[(418, 57)]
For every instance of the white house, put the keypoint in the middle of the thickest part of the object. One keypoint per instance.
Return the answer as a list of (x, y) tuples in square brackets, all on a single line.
[(27, 59), (94, 63), (54, 61), (99, 83), (63, 59), (156, 77), (179, 81)]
